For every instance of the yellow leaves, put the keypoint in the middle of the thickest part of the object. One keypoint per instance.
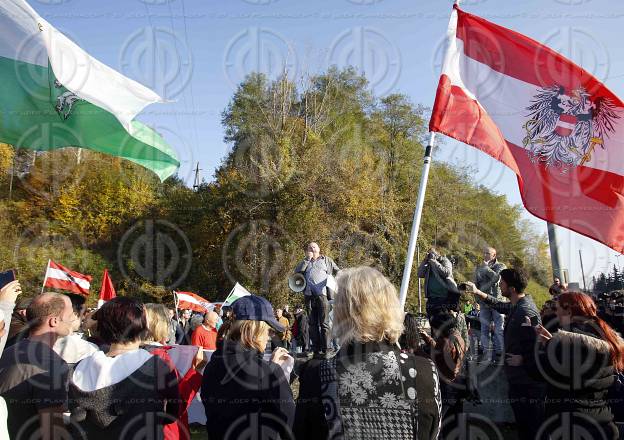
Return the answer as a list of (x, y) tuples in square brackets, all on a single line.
[(101, 201), (6, 158)]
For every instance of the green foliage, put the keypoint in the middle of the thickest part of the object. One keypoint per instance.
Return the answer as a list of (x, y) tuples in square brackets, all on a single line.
[(538, 292), (322, 161)]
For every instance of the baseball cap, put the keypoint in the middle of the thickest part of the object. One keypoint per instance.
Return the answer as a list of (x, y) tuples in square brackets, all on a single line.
[(256, 308)]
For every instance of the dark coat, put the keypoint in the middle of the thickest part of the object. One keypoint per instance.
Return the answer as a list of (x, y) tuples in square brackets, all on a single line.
[(240, 389), (577, 368), (519, 338), (369, 391), (137, 402), (303, 329)]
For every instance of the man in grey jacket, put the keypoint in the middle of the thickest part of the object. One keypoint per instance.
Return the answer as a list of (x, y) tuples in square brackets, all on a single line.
[(317, 270), (487, 279), (437, 271)]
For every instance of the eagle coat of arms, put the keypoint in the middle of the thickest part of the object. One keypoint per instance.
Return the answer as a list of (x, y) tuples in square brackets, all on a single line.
[(565, 126)]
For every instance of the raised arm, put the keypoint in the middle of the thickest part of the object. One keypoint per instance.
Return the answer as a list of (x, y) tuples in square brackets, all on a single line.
[(498, 305), (442, 266)]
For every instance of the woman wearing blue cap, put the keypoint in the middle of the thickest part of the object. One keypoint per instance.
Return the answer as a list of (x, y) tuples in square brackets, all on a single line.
[(244, 395)]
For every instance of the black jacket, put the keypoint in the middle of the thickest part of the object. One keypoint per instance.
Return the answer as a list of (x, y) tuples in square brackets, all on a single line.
[(146, 400), (242, 391), (577, 368), (518, 338), (369, 391), (301, 320)]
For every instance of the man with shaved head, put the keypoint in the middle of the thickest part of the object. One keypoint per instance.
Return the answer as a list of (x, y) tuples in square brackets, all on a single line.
[(205, 335), (33, 378), (487, 279)]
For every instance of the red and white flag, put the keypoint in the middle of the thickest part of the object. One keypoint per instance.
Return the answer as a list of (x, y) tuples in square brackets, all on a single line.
[(555, 125), (192, 301), (59, 277), (107, 291)]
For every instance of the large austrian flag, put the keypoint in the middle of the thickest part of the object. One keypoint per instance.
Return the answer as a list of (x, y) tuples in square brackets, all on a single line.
[(59, 277), (555, 125), (192, 301)]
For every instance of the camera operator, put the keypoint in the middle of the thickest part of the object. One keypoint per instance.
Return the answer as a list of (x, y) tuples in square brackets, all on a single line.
[(437, 271)]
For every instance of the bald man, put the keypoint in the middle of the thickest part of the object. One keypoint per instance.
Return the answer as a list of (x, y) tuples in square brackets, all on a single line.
[(487, 279), (205, 335), (33, 378), (317, 268)]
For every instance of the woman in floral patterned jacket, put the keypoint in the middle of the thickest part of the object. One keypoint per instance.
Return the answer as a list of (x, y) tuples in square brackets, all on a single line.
[(369, 390)]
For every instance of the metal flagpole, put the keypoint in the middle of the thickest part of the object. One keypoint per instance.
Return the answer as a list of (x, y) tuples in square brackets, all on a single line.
[(411, 248), (409, 259), (45, 278)]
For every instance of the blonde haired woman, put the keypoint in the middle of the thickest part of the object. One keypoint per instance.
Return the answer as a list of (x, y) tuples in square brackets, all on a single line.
[(241, 390), (155, 339), (370, 390)]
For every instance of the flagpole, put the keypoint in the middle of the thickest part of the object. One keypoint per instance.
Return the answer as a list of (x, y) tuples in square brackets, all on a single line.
[(424, 178), (45, 278), (420, 202)]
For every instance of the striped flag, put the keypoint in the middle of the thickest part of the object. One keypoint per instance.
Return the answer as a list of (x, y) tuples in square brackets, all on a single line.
[(53, 95), (192, 301), (558, 128), (59, 277), (237, 292)]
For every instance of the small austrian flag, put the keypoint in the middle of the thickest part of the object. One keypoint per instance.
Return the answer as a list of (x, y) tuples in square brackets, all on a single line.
[(192, 301), (59, 277)]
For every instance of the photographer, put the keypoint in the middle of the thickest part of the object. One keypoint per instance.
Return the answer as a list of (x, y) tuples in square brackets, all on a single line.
[(437, 271)]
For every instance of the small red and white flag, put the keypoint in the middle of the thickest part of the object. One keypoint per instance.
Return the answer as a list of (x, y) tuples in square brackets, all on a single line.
[(551, 122), (192, 301), (107, 291), (59, 277)]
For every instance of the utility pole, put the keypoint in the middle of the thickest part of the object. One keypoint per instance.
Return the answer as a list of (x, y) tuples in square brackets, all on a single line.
[(554, 253), (583, 271), (197, 181)]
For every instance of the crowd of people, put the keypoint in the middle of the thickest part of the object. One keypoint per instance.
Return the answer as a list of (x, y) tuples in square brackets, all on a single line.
[(364, 368)]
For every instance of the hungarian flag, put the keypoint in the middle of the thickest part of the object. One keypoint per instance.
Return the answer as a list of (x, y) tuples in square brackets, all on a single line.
[(192, 301), (107, 291), (555, 125), (53, 95), (59, 277)]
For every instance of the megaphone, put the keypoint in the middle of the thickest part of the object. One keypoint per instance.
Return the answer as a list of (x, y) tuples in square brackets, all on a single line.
[(297, 282)]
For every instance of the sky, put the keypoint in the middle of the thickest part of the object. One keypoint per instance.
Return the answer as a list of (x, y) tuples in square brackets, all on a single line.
[(195, 52)]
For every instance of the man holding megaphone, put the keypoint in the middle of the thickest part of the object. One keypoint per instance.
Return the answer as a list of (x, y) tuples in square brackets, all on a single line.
[(318, 271)]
